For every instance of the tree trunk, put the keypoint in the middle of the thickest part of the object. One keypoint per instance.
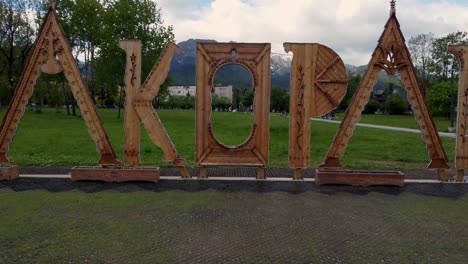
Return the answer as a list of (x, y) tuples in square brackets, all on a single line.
[(93, 80), (120, 103), (73, 107)]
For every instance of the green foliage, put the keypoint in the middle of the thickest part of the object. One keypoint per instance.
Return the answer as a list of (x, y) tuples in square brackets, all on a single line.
[(94, 29), (236, 98), (121, 22), (279, 100), (16, 40), (372, 107), (179, 102), (5, 92), (443, 64), (248, 98), (353, 83), (395, 105), (219, 102), (438, 98)]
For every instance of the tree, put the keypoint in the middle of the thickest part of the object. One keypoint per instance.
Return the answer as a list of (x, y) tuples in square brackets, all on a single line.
[(438, 98), (389, 89), (189, 102), (248, 98), (49, 91), (16, 36), (395, 105), (371, 107), (444, 65), (129, 19), (353, 83), (236, 98), (420, 48), (87, 20), (279, 99), (219, 102)]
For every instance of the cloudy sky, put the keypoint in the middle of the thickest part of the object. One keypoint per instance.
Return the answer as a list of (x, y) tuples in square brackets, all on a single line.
[(350, 27)]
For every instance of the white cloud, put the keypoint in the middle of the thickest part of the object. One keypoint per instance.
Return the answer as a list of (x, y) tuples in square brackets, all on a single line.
[(351, 28)]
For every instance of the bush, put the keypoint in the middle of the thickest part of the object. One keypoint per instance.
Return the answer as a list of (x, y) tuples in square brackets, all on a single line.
[(371, 107), (395, 105)]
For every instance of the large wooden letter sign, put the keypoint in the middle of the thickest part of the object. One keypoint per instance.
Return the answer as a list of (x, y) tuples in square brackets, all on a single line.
[(318, 84), (461, 151), (209, 151), (390, 55), (51, 54), (139, 107)]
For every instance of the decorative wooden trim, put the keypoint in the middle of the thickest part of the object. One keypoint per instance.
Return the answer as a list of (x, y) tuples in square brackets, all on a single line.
[(318, 83), (50, 44), (139, 106), (9, 172), (461, 149), (391, 54), (256, 59), (359, 177), (115, 174)]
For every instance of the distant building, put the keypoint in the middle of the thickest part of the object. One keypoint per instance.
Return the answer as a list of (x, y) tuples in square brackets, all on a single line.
[(225, 91), (182, 90)]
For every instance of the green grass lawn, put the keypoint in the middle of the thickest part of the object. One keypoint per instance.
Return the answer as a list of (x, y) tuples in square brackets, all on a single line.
[(55, 139), (406, 121)]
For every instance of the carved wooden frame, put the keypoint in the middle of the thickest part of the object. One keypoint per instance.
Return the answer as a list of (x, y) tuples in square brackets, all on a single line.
[(255, 57), (461, 149), (391, 54), (51, 43)]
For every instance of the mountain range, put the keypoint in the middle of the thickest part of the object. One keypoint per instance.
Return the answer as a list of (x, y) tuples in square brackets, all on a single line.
[(183, 67)]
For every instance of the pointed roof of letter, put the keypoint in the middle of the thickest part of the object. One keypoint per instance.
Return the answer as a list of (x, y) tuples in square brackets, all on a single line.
[(51, 5), (392, 7)]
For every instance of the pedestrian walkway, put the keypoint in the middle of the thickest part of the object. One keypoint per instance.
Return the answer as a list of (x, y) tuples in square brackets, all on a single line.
[(400, 129)]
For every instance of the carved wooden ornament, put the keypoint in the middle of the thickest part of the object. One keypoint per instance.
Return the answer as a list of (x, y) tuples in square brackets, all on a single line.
[(391, 54), (461, 150), (318, 84), (139, 107), (256, 59), (51, 54)]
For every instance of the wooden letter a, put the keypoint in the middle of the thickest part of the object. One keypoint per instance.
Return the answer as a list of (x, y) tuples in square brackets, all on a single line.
[(51, 54), (391, 55)]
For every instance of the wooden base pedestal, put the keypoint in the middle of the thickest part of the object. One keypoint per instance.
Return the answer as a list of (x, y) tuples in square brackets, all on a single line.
[(203, 173), (115, 174), (9, 173), (359, 177), (297, 174), (459, 175)]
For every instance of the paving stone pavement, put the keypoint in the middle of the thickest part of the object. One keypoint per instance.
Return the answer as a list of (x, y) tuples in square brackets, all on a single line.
[(282, 222)]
